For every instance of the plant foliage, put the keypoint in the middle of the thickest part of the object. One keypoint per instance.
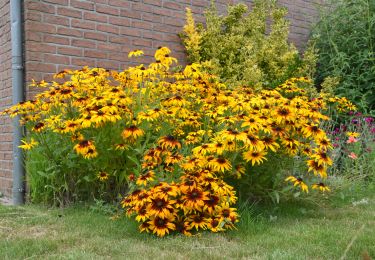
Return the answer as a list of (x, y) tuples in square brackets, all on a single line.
[(345, 37), (247, 47)]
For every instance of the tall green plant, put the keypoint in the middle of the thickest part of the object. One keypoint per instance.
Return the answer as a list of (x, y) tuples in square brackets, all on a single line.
[(247, 47), (345, 37)]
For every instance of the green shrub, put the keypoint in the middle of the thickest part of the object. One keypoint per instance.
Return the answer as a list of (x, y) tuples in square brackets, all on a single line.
[(345, 37), (245, 48)]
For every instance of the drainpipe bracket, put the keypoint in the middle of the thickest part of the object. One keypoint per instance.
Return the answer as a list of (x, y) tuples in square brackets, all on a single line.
[(17, 67)]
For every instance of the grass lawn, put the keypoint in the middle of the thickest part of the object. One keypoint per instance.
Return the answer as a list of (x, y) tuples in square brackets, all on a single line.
[(273, 232)]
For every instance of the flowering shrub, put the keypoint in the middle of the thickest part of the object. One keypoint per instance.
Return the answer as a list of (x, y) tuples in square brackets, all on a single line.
[(354, 146), (172, 139), (247, 47)]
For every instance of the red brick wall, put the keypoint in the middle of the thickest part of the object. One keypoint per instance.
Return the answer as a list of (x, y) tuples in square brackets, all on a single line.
[(72, 33), (5, 101)]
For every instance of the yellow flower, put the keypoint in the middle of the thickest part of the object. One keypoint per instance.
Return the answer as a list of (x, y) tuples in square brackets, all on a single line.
[(254, 156), (161, 206), (145, 178), (86, 148), (132, 133), (135, 53), (321, 157), (38, 127), (161, 226), (169, 142), (28, 146), (320, 186), (317, 168), (298, 182), (197, 221), (353, 134), (194, 199), (313, 131), (103, 176), (220, 164)]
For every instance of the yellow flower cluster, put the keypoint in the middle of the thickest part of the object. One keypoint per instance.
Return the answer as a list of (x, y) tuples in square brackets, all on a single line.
[(188, 130), (200, 199)]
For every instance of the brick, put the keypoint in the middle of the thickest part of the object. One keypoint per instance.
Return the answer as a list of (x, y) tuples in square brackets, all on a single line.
[(166, 28), (152, 35), (142, 42), (122, 21), (163, 12), (142, 25), (32, 15), (38, 6), (83, 43), (172, 5), (199, 3), (131, 14), (170, 37), (70, 12), (107, 28), (130, 31), (41, 67), (82, 24), (119, 3), (41, 47), (39, 27), (108, 47), (69, 32), (82, 5), (59, 2), (55, 39), (49, 76), (95, 54), (120, 39), (103, 18), (83, 62), (100, 1), (69, 51), (142, 7), (53, 19), (33, 36), (95, 36), (119, 56), (174, 21), (107, 10), (113, 65), (69, 67), (56, 59), (153, 2), (152, 18)]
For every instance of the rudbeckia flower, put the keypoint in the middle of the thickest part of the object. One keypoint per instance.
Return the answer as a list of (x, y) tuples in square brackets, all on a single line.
[(145, 178), (161, 226), (220, 164), (254, 156), (161, 206), (194, 199), (320, 186), (135, 53), (132, 133), (169, 142), (28, 146), (103, 176), (298, 182), (197, 221)]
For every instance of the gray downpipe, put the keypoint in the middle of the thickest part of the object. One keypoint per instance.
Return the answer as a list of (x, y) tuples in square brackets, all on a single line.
[(18, 96)]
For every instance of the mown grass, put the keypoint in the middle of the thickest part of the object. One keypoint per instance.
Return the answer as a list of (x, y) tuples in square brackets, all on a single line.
[(287, 231)]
